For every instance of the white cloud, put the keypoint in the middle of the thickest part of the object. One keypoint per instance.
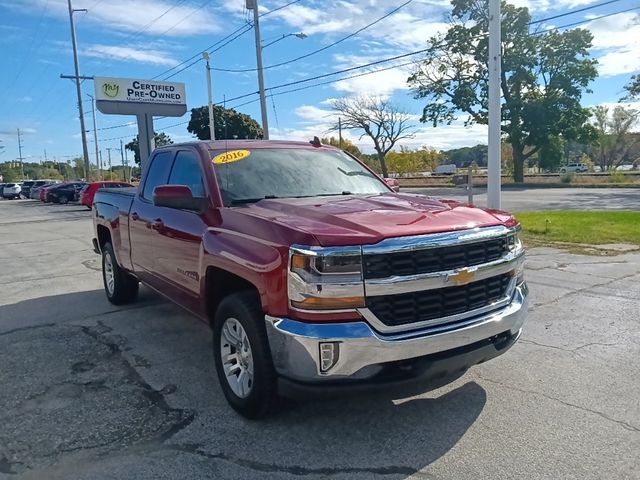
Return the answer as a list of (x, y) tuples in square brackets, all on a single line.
[(615, 40), (383, 83), (142, 55), (150, 17)]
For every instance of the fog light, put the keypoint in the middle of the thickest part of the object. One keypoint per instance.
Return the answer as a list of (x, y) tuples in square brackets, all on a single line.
[(329, 353)]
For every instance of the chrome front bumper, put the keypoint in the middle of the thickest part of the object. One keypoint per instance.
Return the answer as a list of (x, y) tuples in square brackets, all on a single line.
[(358, 352)]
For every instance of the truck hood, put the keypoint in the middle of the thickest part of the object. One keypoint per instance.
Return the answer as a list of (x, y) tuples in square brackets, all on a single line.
[(368, 219)]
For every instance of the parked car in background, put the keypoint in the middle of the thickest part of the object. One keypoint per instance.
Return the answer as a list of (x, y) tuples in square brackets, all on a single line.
[(34, 192), (26, 188), (574, 167), (11, 190), (64, 192), (88, 192), (447, 169)]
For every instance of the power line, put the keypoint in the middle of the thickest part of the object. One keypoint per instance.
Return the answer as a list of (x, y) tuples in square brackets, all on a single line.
[(248, 28), (370, 64), (588, 20), (584, 9), (144, 28), (199, 53), (297, 82), (321, 49), (219, 42), (279, 8), (196, 9)]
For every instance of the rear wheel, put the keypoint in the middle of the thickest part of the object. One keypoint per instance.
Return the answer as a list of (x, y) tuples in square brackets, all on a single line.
[(120, 287), (242, 355), (63, 200)]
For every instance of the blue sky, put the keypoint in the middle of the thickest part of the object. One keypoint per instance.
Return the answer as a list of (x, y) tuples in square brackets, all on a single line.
[(144, 38)]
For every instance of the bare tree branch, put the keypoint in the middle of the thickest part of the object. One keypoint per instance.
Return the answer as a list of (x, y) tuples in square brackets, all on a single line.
[(381, 120)]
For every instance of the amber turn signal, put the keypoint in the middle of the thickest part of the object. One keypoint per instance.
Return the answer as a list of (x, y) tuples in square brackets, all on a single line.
[(316, 303)]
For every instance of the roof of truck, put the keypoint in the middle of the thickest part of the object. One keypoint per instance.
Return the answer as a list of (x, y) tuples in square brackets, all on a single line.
[(239, 144)]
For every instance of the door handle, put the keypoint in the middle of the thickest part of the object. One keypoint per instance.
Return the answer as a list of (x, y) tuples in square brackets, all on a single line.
[(135, 217)]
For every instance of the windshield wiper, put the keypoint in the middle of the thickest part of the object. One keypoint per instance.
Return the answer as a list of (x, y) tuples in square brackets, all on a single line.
[(242, 201), (344, 192)]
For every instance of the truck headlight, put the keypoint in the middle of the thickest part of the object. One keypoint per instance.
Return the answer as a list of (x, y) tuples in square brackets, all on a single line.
[(513, 241), (325, 279)]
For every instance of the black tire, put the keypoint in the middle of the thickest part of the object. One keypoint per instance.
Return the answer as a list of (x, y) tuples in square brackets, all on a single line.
[(125, 287), (63, 200), (245, 308)]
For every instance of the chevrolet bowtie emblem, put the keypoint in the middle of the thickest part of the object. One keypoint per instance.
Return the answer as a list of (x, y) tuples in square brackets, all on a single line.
[(461, 278)]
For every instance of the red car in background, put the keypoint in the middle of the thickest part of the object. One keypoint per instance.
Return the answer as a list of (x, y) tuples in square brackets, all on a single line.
[(88, 192), (44, 190)]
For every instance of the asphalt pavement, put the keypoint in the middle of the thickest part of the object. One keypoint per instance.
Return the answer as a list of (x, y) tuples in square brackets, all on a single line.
[(93, 391), (534, 199)]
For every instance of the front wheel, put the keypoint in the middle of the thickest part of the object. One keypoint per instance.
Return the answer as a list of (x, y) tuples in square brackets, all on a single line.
[(120, 287), (563, 171), (63, 200), (242, 355)]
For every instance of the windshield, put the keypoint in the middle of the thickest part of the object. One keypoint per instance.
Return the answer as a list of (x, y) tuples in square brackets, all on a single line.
[(246, 176)]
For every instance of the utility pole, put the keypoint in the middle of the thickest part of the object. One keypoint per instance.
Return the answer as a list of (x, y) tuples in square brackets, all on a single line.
[(340, 132), (21, 158), (495, 116), (212, 133), (124, 170), (109, 153), (253, 5), (95, 133), (85, 150), (126, 161)]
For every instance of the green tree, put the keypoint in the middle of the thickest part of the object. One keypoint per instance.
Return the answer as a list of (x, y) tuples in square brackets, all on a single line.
[(551, 154), (465, 156), (347, 145), (615, 143), (161, 139), (228, 124), (543, 77), (633, 88)]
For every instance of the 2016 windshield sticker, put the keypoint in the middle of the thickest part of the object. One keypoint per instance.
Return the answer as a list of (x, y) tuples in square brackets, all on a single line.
[(232, 156)]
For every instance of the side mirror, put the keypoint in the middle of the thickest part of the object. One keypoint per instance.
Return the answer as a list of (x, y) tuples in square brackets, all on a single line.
[(393, 184), (178, 196)]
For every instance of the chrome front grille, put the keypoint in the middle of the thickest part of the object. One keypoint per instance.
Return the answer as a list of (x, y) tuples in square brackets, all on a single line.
[(430, 260), (439, 279), (425, 305)]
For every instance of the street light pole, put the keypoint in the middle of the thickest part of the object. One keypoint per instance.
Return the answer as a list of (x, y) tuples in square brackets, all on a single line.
[(95, 135), (253, 5), (212, 133), (85, 150)]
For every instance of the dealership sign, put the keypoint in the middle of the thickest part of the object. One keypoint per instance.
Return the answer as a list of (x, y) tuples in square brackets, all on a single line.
[(129, 96)]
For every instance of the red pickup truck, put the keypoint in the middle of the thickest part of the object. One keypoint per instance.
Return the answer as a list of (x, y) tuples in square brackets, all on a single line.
[(313, 273)]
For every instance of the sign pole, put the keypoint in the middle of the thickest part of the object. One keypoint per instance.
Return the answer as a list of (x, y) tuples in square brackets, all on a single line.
[(146, 142)]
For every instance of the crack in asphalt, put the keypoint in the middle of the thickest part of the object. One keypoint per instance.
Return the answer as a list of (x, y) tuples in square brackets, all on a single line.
[(569, 350), (297, 470), (22, 329), (622, 423), (156, 397), (580, 290)]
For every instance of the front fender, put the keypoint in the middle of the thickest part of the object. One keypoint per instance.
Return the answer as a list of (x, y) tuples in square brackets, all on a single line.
[(257, 261)]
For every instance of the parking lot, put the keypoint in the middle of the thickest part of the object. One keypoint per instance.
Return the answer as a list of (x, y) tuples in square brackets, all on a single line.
[(93, 391)]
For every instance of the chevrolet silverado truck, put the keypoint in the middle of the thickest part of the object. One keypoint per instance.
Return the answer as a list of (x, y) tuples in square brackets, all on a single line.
[(314, 275)]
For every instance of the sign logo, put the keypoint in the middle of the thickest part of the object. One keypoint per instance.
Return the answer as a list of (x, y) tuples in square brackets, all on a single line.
[(110, 89), (461, 277)]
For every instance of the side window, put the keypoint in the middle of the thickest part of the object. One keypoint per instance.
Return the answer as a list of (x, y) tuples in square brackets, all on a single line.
[(158, 173), (186, 171)]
